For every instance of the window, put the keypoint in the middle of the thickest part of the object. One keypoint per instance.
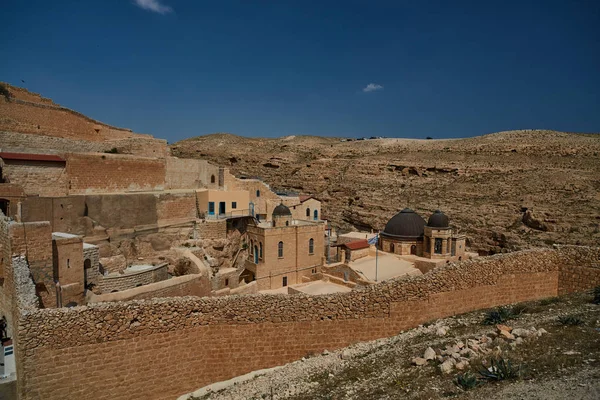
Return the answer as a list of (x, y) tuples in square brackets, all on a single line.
[(280, 250), (437, 248), (212, 179), (285, 281), (260, 250), (226, 282), (316, 213), (308, 212), (311, 246), (68, 263), (258, 193), (287, 223), (233, 205)]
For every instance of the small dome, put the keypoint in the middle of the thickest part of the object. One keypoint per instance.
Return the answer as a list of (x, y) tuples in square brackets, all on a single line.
[(281, 211), (438, 220), (406, 224)]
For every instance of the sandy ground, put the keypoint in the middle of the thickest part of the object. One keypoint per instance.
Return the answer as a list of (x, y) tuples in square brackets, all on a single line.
[(320, 287), (388, 266)]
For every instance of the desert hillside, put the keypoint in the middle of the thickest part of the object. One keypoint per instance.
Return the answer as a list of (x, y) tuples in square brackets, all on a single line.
[(506, 191)]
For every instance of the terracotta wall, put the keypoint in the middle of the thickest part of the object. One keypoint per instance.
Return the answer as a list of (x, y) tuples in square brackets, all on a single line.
[(102, 173), (111, 351), (41, 178)]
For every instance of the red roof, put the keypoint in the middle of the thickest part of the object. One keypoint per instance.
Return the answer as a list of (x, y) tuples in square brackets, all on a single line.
[(357, 244), (31, 157), (304, 197)]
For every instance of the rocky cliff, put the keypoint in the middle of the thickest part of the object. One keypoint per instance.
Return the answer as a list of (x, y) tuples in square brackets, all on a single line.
[(505, 191)]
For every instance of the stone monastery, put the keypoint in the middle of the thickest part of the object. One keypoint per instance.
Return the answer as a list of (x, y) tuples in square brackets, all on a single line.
[(110, 247)]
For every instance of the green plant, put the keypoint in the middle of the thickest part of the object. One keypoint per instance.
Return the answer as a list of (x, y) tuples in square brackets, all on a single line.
[(501, 369), (467, 381), (596, 299), (497, 316), (114, 150), (570, 320)]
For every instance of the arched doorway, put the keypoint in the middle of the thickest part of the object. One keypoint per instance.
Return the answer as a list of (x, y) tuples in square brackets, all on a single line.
[(413, 250), (255, 254), (392, 248)]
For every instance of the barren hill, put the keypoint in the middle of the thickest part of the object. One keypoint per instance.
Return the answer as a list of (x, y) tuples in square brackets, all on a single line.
[(506, 190)]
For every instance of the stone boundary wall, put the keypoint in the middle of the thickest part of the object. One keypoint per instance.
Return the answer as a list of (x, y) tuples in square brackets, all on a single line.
[(34, 143), (110, 350), (130, 280)]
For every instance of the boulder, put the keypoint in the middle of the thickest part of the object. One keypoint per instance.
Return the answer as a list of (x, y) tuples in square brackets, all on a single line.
[(429, 354), (418, 361), (447, 366)]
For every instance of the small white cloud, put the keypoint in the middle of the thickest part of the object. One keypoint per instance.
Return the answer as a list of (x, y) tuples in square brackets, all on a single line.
[(153, 5), (371, 87)]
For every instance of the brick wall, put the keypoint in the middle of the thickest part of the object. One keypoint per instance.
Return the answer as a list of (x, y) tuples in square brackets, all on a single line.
[(171, 206), (113, 348), (97, 173), (34, 240), (208, 229), (42, 178), (182, 173)]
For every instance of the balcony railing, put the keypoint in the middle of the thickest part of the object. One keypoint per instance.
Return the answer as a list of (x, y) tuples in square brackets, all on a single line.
[(231, 214)]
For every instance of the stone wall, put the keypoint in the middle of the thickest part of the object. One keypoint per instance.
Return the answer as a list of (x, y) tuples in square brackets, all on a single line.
[(184, 173), (105, 173), (171, 206), (34, 143), (129, 280), (208, 229), (127, 340), (43, 178)]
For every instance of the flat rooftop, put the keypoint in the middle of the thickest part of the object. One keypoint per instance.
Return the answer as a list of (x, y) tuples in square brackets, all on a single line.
[(384, 266), (320, 287)]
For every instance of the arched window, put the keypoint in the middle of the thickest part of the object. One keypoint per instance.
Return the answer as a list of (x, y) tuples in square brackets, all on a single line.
[(258, 193), (260, 250), (212, 179), (311, 246), (280, 250), (308, 212), (316, 215)]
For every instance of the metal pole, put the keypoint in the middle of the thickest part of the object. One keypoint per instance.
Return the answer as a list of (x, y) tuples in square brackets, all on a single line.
[(328, 242), (376, 254)]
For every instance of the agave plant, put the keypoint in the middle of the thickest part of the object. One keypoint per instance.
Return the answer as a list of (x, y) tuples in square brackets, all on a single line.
[(467, 381), (497, 316), (501, 370), (570, 320)]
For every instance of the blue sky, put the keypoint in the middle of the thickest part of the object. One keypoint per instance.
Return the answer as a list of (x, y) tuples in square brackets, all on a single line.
[(181, 68)]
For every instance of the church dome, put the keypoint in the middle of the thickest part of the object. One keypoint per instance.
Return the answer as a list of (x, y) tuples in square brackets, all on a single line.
[(281, 211), (406, 224), (438, 220)]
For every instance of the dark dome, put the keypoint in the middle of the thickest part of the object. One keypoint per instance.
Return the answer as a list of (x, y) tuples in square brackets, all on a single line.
[(281, 211), (406, 224), (438, 220)]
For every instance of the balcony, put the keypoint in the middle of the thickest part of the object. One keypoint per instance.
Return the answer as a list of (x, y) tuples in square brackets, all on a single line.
[(228, 215)]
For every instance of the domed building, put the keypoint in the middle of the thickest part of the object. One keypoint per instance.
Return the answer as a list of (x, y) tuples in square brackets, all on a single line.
[(407, 233)]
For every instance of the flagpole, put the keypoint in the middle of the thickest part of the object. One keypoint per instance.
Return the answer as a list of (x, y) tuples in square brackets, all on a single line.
[(376, 254)]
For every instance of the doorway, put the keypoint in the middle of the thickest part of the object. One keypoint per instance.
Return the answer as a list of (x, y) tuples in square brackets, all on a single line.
[(221, 208)]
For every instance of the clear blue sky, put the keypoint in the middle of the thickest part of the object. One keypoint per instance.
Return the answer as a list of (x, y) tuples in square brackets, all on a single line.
[(181, 68)]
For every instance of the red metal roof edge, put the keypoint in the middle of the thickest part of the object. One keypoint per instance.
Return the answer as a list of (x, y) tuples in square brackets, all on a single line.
[(357, 245), (31, 157)]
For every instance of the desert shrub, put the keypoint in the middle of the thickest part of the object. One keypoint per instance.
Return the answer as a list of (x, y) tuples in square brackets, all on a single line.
[(501, 369), (114, 150), (5, 92), (467, 381), (596, 299), (570, 320), (497, 316), (518, 309)]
